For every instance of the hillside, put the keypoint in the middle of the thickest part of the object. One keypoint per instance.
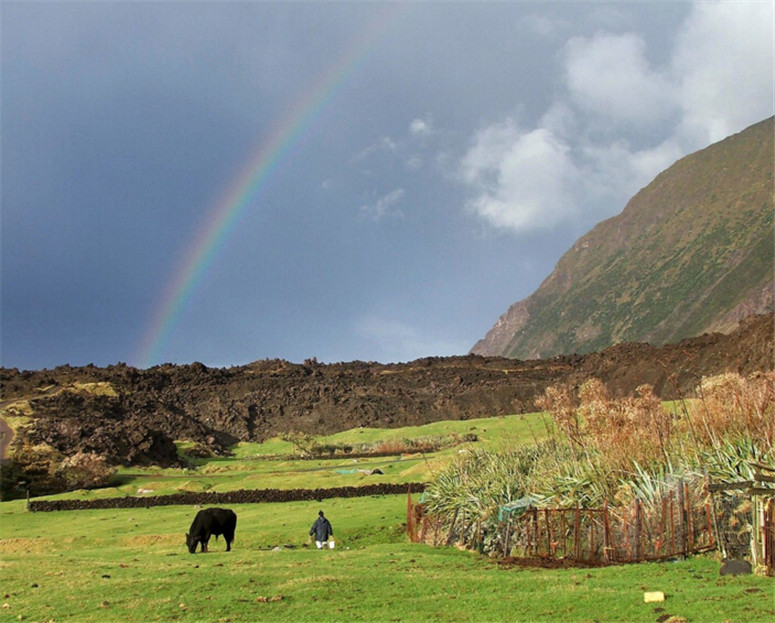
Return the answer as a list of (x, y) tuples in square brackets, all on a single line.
[(132, 416), (691, 253)]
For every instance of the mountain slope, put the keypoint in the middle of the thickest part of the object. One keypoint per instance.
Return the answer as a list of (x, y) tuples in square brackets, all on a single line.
[(691, 253)]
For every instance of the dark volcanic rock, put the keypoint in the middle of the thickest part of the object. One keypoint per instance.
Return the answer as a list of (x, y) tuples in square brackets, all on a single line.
[(217, 407)]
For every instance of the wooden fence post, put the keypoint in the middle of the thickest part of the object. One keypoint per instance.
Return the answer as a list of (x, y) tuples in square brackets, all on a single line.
[(661, 538), (528, 515), (711, 538), (549, 544), (672, 525), (716, 533), (536, 533), (563, 531), (638, 530), (682, 516), (769, 537), (689, 518), (626, 533), (577, 534), (610, 552)]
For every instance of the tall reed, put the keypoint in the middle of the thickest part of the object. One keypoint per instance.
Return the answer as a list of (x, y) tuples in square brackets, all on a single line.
[(601, 448)]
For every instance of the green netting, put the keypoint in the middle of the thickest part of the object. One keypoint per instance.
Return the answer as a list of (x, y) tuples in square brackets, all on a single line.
[(517, 507)]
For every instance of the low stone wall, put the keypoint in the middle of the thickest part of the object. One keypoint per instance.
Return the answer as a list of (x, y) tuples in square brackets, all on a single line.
[(242, 496)]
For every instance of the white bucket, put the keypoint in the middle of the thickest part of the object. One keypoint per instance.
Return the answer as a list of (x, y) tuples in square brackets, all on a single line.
[(331, 544)]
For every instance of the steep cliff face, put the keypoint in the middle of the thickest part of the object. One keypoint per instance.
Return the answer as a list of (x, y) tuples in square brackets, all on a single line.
[(691, 253)]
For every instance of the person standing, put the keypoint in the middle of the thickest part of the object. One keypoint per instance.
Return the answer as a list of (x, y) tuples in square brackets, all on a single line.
[(321, 530)]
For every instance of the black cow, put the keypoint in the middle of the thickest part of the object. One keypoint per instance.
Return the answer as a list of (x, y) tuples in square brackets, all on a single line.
[(211, 521)]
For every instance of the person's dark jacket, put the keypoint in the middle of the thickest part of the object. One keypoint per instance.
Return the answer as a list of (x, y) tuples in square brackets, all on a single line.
[(321, 529)]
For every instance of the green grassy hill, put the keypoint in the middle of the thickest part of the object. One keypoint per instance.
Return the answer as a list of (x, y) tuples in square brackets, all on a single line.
[(692, 252), (131, 565)]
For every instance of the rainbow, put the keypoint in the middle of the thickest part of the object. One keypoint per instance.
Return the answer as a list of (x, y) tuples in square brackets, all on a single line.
[(241, 193)]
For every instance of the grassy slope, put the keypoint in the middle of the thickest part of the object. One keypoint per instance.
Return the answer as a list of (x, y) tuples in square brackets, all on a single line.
[(244, 471), (686, 250), (131, 565)]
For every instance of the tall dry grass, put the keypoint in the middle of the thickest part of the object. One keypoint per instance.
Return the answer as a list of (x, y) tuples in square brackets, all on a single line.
[(732, 406), (616, 449), (627, 434)]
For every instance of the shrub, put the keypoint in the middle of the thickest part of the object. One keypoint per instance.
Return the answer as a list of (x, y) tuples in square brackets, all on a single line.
[(41, 470), (304, 443), (731, 406), (32, 468), (85, 470)]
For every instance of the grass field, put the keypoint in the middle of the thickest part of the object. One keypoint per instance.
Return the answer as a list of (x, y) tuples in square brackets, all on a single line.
[(132, 565)]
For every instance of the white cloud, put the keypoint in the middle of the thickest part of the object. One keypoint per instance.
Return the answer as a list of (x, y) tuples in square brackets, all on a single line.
[(609, 75), (620, 120), (723, 66), (421, 127), (543, 26), (614, 172), (414, 162), (409, 149), (385, 143), (523, 178), (383, 205)]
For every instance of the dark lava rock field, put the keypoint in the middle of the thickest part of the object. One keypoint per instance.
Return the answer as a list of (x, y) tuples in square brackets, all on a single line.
[(217, 407)]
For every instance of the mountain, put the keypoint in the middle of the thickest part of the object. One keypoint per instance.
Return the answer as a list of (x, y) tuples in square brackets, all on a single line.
[(691, 253)]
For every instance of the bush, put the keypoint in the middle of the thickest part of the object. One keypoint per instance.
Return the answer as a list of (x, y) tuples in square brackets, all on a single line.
[(304, 443), (85, 470), (41, 470), (32, 468)]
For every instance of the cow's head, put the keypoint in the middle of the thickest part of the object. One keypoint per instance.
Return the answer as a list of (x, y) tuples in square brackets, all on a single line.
[(191, 543)]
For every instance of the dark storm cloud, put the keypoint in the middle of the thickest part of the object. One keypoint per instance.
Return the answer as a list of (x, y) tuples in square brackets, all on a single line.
[(462, 155)]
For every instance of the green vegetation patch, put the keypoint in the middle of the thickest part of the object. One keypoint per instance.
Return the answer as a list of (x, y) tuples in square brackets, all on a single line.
[(132, 566)]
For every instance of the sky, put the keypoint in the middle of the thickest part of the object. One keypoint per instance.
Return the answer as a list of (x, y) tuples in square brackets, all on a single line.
[(227, 182)]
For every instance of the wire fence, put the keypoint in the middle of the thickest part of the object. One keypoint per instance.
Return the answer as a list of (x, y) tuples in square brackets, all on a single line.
[(676, 525)]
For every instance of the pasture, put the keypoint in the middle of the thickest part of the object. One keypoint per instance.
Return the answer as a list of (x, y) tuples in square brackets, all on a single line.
[(132, 565)]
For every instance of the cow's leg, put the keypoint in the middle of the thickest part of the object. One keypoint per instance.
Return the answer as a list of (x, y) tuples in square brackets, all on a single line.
[(205, 540)]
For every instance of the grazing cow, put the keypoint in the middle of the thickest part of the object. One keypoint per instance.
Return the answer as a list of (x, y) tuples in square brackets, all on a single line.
[(211, 521)]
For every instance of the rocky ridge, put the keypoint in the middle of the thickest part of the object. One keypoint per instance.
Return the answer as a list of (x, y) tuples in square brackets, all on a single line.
[(133, 416)]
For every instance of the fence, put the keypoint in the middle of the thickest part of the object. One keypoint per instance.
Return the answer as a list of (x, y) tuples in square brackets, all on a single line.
[(746, 511), (675, 526), (769, 536)]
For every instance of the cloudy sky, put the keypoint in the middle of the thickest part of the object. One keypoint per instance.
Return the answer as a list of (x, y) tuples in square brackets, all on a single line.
[(225, 182)]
